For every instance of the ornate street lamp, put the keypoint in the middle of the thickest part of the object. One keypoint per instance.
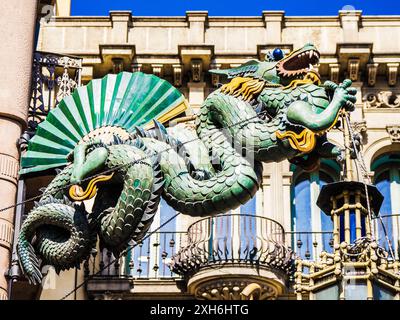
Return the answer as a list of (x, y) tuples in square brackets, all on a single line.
[(358, 268)]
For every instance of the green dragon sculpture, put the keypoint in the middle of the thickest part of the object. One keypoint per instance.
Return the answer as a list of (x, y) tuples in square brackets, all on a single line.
[(109, 139)]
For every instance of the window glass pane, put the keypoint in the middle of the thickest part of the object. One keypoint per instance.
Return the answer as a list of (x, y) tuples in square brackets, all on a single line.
[(248, 229), (166, 213), (301, 217), (355, 290), (249, 207), (163, 239), (326, 221), (381, 293), (383, 184), (329, 293)]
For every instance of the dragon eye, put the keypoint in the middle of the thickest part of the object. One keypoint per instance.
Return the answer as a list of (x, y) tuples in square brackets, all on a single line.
[(278, 54)]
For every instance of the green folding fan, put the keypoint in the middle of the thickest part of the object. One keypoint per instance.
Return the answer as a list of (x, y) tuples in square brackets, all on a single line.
[(112, 105)]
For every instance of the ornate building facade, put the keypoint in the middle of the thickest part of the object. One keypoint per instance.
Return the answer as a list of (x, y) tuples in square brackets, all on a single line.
[(71, 50)]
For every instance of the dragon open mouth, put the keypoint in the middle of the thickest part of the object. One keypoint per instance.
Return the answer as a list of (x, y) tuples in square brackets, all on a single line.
[(299, 63)]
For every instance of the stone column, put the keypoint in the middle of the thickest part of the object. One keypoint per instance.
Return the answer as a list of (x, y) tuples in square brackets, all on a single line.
[(17, 38)]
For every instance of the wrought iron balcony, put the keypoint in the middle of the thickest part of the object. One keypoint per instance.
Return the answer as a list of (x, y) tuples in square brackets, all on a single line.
[(234, 238), (308, 245), (227, 253), (137, 272), (149, 259), (392, 228), (54, 76)]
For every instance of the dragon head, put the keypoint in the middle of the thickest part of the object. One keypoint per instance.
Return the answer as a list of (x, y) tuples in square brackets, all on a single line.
[(277, 70), (298, 64), (88, 160)]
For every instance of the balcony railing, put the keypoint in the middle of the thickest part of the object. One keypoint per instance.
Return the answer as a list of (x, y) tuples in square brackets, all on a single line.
[(309, 244), (235, 239), (54, 76), (147, 260), (392, 227)]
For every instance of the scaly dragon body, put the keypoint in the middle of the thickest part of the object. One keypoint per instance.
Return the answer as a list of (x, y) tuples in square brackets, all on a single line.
[(267, 113)]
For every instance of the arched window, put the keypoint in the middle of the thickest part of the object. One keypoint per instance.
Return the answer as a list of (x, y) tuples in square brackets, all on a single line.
[(387, 180), (311, 228)]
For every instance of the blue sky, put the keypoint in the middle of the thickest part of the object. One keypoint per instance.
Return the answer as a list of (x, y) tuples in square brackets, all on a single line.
[(232, 7)]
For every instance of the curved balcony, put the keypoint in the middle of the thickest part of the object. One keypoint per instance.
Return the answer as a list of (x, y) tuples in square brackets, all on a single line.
[(229, 254)]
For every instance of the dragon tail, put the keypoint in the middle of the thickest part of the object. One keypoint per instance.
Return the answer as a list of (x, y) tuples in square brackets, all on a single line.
[(61, 236)]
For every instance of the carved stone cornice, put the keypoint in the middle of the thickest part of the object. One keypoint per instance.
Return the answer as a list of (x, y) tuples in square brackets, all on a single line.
[(392, 70), (157, 69), (136, 67), (372, 70), (353, 69), (334, 71), (215, 77), (177, 70), (196, 69), (118, 65)]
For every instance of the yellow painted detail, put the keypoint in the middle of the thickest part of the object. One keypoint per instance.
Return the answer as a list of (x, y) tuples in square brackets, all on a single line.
[(170, 114), (311, 77), (78, 194), (304, 141), (247, 88)]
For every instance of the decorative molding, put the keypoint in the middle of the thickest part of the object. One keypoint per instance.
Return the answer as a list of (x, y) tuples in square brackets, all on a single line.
[(117, 65), (66, 85), (353, 69), (3, 294), (240, 289), (372, 70), (359, 126), (394, 133), (136, 67), (6, 233), (48, 88), (392, 69), (157, 70), (215, 77), (360, 133), (196, 68), (382, 99), (177, 70), (9, 167), (334, 71), (197, 255)]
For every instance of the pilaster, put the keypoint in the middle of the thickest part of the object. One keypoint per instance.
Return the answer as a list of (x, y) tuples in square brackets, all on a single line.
[(16, 56), (273, 24), (197, 24)]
